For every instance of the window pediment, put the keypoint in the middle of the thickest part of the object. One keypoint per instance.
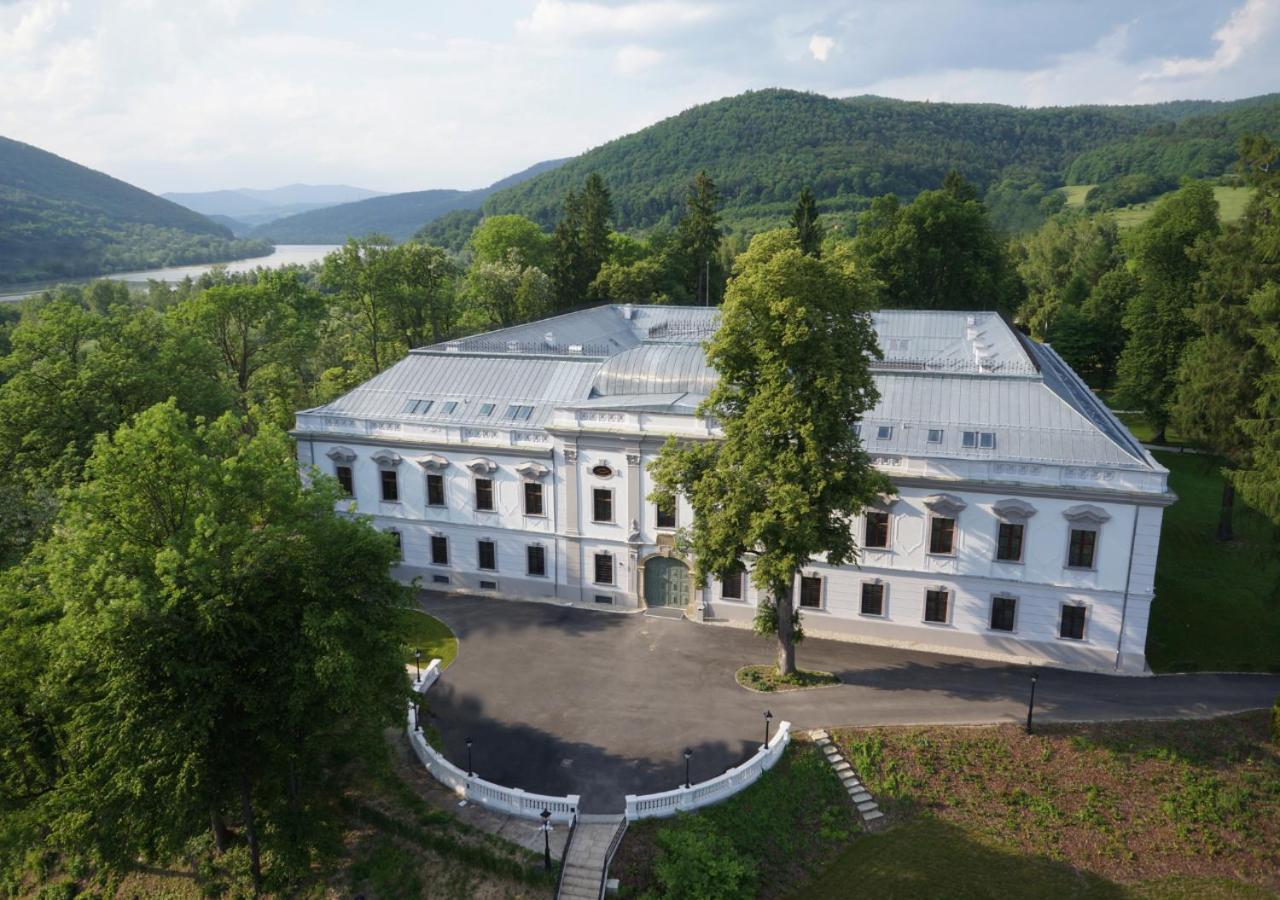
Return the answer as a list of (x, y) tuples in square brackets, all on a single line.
[(1013, 510), (341, 454), (883, 503), (1086, 514), (482, 465), (534, 470), (386, 458), (945, 504)]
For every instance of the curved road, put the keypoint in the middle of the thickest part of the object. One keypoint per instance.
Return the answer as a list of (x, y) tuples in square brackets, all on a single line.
[(562, 700)]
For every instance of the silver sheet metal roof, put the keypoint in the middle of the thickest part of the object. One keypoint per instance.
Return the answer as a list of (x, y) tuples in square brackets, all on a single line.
[(947, 371)]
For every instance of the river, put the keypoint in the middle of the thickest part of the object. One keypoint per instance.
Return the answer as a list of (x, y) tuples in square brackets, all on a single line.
[(281, 255)]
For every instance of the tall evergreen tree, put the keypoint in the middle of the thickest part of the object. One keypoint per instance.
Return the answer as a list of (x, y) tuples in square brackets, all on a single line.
[(1157, 322), (786, 480), (597, 213), (699, 233), (804, 219)]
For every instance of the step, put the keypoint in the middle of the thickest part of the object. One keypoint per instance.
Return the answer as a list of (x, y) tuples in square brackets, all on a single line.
[(590, 885), (819, 733), (859, 797), (867, 806), (872, 815), (850, 781), (823, 742), (843, 766)]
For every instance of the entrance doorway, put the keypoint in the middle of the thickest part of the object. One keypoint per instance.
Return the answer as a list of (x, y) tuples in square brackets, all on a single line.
[(666, 582)]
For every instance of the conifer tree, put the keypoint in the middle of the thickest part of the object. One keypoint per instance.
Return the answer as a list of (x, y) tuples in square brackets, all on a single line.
[(809, 230), (699, 233)]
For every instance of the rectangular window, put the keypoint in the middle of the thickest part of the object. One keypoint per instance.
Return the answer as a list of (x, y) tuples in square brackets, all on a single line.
[(979, 440), (811, 591), (1009, 542), (488, 585), (1003, 611), (486, 409), (666, 515), (604, 568), (935, 436), (935, 607), (417, 407), (536, 557), (1081, 549), (969, 440), (731, 585), (439, 579), (484, 494), (877, 530), (602, 505), (488, 555), (345, 481), (390, 485), (517, 413), (533, 499), (399, 542), (449, 408), (942, 535), (872, 598), (435, 489), (1072, 626), (884, 432), (439, 550)]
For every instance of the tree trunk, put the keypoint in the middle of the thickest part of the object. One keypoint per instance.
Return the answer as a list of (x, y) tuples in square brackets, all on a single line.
[(220, 835), (1225, 532), (251, 833), (1159, 436), (786, 639)]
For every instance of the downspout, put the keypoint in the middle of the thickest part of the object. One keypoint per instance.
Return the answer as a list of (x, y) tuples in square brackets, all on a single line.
[(1128, 578)]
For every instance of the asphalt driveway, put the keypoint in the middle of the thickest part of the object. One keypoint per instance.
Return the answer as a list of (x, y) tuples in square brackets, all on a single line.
[(561, 700)]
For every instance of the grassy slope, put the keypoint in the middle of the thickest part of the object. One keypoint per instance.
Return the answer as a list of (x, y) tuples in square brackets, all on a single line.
[(1188, 809), (1231, 204), (428, 634), (1217, 605), (1076, 193)]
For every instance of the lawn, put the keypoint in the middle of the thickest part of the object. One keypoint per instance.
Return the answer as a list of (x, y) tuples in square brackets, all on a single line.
[(1076, 193), (428, 634), (787, 826), (1231, 204), (1132, 809), (1217, 605)]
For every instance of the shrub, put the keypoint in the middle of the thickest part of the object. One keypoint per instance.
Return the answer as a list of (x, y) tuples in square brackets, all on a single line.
[(696, 862)]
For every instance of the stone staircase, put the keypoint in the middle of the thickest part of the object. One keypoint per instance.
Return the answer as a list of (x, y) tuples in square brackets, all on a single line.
[(587, 860), (859, 796)]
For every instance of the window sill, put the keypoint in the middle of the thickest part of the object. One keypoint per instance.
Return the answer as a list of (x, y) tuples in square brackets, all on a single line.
[(530, 515), (867, 615), (936, 624), (1002, 630), (1072, 640), (1008, 562), (1083, 569), (932, 555)]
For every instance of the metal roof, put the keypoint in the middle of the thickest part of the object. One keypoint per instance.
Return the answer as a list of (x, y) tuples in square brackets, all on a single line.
[(948, 371)]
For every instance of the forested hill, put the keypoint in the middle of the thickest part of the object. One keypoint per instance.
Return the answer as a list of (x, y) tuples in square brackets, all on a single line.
[(763, 147), (395, 215), (59, 219)]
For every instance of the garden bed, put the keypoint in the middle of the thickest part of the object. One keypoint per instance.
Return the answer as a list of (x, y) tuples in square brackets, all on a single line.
[(766, 680)]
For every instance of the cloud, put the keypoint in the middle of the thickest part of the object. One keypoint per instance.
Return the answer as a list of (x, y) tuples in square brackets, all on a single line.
[(820, 45), (1246, 27), (633, 59), (571, 20)]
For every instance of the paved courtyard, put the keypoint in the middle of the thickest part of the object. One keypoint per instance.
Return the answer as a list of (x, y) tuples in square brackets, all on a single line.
[(561, 700)]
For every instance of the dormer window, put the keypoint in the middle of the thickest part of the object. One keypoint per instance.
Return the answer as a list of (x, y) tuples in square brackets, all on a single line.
[(486, 409), (979, 440), (884, 432), (935, 436), (449, 408), (416, 407), (517, 413)]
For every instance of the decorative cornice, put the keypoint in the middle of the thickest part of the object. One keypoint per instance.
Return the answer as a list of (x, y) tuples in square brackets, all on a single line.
[(533, 470), (482, 465), (341, 454), (884, 503), (945, 504), (433, 461), (386, 458), (386, 440), (570, 454), (1140, 498), (1086, 513), (1014, 510)]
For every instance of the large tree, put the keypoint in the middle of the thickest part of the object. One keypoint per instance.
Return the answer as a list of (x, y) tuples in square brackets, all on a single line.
[(785, 481), (937, 252), (580, 243), (496, 236), (1164, 259), (212, 636), (699, 233)]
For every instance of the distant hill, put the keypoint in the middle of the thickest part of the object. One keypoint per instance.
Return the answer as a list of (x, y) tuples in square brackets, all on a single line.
[(762, 147), (396, 215), (59, 219), (253, 206)]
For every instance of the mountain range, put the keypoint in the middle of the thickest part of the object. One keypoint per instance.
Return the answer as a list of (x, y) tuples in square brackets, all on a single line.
[(243, 208)]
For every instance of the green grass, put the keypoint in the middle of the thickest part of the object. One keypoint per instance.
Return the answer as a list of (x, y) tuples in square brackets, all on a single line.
[(1217, 604), (765, 679), (1231, 204), (1076, 194), (428, 634), (1146, 432)]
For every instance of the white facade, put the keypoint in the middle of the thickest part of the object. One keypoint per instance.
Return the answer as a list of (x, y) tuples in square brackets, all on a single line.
[(976, 426)]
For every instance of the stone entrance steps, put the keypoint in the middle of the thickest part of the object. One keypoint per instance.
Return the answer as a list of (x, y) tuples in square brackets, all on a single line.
[(594, 840)]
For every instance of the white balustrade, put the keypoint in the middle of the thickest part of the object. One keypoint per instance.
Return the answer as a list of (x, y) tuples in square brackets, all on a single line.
[(705, 793), (512, 801)]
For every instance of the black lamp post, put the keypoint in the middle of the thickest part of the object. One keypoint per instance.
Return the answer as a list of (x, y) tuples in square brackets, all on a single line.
[(768, 715), (688, 755), (546, 839), (1031, 703), (469, 770), (417, 665), (417, 716)]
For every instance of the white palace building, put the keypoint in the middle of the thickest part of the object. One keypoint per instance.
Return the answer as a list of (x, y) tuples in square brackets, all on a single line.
[(1025, 525)]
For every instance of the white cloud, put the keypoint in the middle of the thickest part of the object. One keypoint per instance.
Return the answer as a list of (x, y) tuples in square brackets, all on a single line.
[(1247, 26), (634, 59), (569, 19), (820, 45)]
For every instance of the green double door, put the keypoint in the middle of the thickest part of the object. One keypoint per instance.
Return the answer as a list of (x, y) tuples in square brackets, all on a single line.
[(666, 582)]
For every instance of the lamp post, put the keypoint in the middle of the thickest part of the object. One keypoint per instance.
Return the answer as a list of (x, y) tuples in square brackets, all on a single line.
[(469, 770), (768, 715), (417, 716), (1031, 703), (688, 755), (546, 839), (417, 665)]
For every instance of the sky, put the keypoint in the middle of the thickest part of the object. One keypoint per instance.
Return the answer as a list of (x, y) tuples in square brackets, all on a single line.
[(190, 95)]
